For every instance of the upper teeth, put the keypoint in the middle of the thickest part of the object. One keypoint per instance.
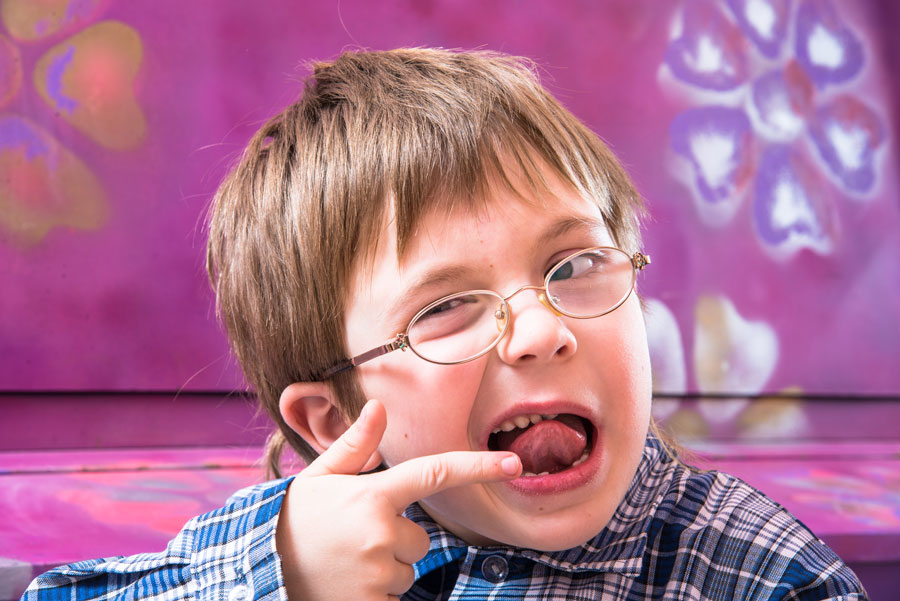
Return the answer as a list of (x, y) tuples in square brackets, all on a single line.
[(522, 421)]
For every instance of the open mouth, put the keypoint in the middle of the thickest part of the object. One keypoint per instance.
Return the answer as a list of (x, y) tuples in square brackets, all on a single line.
[(546, 444)]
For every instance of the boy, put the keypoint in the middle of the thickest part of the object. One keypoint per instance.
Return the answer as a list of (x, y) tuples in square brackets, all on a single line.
[(443, 205)]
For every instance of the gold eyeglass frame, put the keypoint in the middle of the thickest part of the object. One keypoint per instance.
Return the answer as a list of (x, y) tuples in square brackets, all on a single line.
[(401, 340)]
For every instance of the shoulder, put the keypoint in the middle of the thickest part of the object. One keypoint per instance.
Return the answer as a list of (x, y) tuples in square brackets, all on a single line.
[(732, 541), (246, 519), (264, 490)]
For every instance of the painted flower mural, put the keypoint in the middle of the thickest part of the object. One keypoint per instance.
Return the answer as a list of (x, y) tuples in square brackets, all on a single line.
[(776, 117), (115, 127), (774, 120), (732, 355), (86, 82)]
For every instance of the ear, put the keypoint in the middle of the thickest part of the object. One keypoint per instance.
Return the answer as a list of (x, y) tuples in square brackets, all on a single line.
[(312, 411)]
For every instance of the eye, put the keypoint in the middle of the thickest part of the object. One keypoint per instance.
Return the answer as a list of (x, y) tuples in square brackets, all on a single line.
[(446, 306), (580, 265), (452, 316)]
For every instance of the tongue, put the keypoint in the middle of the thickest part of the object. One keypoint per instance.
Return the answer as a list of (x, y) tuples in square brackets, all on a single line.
[(548, 446)]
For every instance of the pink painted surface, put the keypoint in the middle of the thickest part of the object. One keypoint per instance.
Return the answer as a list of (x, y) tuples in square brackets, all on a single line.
[(101, 255), (57, 507), (55, 518), (777, 419), (102, 420), (63, 506), (851, 499), (848, 494), (101, 277), (133, 459)]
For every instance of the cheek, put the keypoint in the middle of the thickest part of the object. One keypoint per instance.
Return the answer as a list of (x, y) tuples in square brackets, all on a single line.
[(623, 363), (634, 342), (429, 407), (639, 378)]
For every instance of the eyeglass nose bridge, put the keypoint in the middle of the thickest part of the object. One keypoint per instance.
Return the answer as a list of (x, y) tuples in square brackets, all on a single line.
[(503, 311)]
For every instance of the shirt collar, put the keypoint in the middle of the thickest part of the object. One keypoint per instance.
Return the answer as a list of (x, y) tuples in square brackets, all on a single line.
[(619, 547)]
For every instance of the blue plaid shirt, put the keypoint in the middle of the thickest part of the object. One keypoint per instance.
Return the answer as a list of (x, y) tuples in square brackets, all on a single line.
[(676, 535)]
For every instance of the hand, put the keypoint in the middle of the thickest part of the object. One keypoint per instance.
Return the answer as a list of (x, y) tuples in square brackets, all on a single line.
[(341, 535)]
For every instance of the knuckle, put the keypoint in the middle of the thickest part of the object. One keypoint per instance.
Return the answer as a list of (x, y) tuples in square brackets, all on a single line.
[(351, 441), (380, 575), (376, 540), (422, 543), (435, 475), (405, 580)]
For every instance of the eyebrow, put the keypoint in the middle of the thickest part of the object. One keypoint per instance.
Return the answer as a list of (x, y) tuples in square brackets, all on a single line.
[(568, 224), (409, 302)]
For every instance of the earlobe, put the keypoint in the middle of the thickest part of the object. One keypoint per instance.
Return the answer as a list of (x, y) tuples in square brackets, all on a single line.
[(309, 408)]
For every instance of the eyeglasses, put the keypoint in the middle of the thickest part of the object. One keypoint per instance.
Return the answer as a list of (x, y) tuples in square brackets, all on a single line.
[(464, 326)]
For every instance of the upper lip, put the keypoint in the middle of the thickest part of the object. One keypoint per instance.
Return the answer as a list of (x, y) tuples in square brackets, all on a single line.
[(530, 408)]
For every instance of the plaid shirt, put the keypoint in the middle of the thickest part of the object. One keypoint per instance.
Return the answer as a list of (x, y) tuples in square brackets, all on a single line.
[(676, 535)]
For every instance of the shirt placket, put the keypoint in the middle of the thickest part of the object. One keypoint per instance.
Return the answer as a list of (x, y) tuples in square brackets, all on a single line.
[(490, 574)]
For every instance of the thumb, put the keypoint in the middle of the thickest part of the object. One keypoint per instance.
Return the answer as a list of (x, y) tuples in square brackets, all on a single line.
[(350, 453)]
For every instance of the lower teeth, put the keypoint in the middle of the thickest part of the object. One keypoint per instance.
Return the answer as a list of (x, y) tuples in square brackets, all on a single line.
[(577, 462)]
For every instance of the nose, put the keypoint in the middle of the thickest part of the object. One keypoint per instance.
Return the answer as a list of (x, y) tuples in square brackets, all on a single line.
[(536, 333)]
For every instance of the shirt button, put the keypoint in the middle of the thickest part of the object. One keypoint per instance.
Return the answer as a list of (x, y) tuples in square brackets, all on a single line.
[(239, 593), (495, 569)]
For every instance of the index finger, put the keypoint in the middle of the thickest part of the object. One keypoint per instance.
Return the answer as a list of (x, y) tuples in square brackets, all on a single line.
[(421, 477)]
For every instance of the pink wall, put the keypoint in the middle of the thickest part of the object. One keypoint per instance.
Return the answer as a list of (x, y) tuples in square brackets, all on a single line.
[(763, 142)]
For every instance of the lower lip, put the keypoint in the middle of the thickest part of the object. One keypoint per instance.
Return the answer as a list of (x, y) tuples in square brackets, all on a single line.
[(565, 480)]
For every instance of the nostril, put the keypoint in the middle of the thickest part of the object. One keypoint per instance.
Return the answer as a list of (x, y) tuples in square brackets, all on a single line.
[(565, 350)]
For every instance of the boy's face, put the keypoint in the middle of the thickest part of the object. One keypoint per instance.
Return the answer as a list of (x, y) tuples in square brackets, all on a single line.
[(592, 372)]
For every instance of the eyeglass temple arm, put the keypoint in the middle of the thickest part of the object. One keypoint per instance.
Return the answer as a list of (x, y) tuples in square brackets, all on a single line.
[(347, 364)]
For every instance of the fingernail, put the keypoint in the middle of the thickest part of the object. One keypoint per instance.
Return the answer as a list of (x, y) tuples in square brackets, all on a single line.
[(365, 411), (510, 465)]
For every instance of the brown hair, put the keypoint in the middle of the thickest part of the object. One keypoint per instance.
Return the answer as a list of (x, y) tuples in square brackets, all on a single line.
[(376, 134)]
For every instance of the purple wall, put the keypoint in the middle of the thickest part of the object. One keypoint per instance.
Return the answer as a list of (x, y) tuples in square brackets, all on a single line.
[(762, 139)]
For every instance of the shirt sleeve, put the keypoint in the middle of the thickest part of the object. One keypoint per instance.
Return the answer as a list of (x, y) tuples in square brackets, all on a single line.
[(227, 554)]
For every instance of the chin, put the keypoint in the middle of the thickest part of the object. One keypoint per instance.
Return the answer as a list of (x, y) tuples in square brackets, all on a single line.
[(551, 531), (550, 539)]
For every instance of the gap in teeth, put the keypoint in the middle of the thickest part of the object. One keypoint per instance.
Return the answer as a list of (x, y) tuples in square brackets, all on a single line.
[(578, 461), (522, 422)]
